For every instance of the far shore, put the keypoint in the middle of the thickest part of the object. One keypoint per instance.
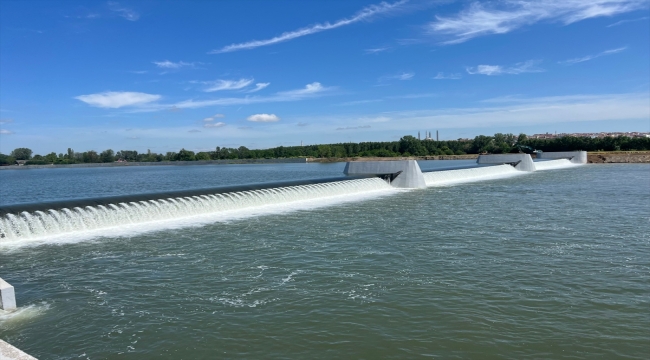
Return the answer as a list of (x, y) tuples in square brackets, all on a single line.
[(603, 157)]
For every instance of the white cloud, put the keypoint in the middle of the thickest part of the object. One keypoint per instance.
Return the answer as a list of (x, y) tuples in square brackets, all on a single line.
[(405, 76), (5, 132), (6, 121), (376, 50), (482, 19), (126, 13), (172, 65), (117, 99), (263, 118), (590, 57), (214, 125), (627, 21), (220, 85), (519, 68), (353, 127), (365, 14), (259, 86), (310, 90), (527, 111), (443, 76), (215, 116)]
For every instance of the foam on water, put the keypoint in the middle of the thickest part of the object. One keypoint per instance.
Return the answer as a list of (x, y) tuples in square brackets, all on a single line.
[(451, 177), (16, 317), (127, 219), (554, 164)]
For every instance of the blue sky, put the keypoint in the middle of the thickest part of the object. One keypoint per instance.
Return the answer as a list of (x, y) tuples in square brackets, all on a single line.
[(162, 75)]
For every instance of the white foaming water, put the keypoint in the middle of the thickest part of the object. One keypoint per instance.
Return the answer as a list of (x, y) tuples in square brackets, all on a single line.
[(77, 224), (14, 318), (554, 164), (451, 177)]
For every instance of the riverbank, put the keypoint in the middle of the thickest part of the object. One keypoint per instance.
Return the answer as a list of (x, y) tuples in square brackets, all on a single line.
[(604, 157), (616, 157)]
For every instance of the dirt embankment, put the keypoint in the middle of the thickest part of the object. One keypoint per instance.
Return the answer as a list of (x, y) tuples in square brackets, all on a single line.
[(619, 157)]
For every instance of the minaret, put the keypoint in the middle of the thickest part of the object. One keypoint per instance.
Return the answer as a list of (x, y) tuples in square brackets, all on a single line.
[(437, 139), (419, 135)]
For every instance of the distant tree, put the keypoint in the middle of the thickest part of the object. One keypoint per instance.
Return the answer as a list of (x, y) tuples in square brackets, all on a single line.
[(107, 156), (409, 144), (91, 157), (22, 154), (186, 155), (202, 156), (7, 160)]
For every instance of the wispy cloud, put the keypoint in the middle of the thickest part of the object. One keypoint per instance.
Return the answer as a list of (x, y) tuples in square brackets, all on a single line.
[(359, 102), (376, 50), (481, 19), (173, 65), (353, 127), (194, 131), (214, 125), (628, 21), (6, 121), (591, 57), (519, 68), (259, 86), (309, 89), (366, 13), (302, 124), (220, 85), (213, 117), (117, 99), (263, 118), (443, 76), (6, 132), (401, 76), (124, 12)]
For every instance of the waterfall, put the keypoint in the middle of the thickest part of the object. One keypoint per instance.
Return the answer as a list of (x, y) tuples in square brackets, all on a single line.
[(450, 177), (48, 222), (554, 164)]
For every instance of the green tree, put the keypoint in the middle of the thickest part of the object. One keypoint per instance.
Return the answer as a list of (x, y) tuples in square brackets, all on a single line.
[(7, 160), (107, 156), (22, 154), (186, 155), (202, 156)]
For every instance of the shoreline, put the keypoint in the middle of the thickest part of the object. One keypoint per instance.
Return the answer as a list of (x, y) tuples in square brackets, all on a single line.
[(604, 157)]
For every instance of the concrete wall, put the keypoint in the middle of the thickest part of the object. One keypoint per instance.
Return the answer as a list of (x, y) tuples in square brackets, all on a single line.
[(7, 296), (525, 162), (8, 352), (576, 157), (411, 176)]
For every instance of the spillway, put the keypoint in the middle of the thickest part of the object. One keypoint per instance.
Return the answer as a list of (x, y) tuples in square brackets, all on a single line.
[(440, 178), (58, 219), (554, 164)]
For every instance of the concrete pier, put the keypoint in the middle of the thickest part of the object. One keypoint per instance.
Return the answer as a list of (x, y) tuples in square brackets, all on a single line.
[(576, 157), (402, 174), (8, 352), (521, 162), (7, 296)]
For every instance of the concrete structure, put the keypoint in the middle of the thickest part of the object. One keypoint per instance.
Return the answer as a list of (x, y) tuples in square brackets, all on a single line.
[(521, 162), (8, 352), (576, 157), (7, 296), (401, 174)]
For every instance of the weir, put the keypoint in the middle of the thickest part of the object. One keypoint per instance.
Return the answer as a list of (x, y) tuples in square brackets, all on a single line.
[(576, 157), (25, 221)]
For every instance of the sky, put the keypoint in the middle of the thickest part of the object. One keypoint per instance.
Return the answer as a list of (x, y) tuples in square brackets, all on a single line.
[(166, 75)]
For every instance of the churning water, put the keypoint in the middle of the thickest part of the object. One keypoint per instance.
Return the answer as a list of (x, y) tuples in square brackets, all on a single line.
[(551, 264)]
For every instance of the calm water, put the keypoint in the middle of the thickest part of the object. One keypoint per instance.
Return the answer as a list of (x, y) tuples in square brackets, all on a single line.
[(554, 264)]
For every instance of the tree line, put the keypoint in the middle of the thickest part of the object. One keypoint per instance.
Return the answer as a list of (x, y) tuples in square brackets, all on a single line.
[(406, 146)]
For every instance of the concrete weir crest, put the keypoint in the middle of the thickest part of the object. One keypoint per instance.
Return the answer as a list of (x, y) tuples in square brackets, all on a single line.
[(401, 174)]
